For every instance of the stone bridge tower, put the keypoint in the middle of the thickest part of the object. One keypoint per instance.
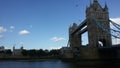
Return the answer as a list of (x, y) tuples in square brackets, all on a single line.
[(74, 39), (95, 34)]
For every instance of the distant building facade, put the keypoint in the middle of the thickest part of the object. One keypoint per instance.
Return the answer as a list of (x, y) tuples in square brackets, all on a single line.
[(17, 52), (2, 48), (66, 52)]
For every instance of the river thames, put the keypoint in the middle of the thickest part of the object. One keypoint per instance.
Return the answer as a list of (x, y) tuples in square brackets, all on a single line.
[(55, 64)]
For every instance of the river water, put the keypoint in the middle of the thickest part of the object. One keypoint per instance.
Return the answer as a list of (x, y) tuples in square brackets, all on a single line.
[(55, 64)]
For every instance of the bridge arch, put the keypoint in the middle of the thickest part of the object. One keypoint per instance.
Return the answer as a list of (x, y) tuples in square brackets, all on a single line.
[(102, 42)]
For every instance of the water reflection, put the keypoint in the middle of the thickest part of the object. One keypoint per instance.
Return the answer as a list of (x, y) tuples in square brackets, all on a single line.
[(59, 64), (97, 64)]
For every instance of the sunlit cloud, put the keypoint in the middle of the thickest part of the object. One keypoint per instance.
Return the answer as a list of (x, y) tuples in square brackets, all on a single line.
[(2, 29), (116, 20), (115, 41), (56, 39), (55, 48), (12, 27), (24, 32)]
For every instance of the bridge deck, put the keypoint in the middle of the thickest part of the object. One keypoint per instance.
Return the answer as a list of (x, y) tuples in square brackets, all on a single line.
[(80, 27)]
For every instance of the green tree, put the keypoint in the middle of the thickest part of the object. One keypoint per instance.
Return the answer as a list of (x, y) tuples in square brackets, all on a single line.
[(24, 52), (32, 53), (9, 52), (54, 52)]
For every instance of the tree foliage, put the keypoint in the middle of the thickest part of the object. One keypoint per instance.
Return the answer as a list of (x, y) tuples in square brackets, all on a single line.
[(40, 53), (7, 52)]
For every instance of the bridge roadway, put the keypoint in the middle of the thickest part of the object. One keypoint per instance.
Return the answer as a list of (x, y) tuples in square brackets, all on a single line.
[(83, 24)]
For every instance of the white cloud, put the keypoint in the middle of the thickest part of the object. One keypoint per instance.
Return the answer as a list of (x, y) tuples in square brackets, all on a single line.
[(56, 39), (118, 41), (54, 48), (24, 32), (115, 41), (116, 20), (2, 29), (1, 36), (12, 27)]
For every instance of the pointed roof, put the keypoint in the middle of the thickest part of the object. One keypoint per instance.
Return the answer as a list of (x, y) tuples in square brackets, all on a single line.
[(96, 5), (95, 0), (106, 7), (90, 2)]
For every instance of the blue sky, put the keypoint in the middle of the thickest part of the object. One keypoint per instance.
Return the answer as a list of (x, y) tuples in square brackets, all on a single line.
[(37, 24)]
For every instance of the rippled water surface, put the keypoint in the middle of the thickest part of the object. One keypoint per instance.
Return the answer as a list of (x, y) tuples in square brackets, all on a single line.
[(57, 64)]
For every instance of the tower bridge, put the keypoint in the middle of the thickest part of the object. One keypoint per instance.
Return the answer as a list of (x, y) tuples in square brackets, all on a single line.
[(97, 24)]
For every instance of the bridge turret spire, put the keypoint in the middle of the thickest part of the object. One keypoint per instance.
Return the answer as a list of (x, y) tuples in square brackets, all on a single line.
[(90, 2), (106, 7), (95, 0)]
